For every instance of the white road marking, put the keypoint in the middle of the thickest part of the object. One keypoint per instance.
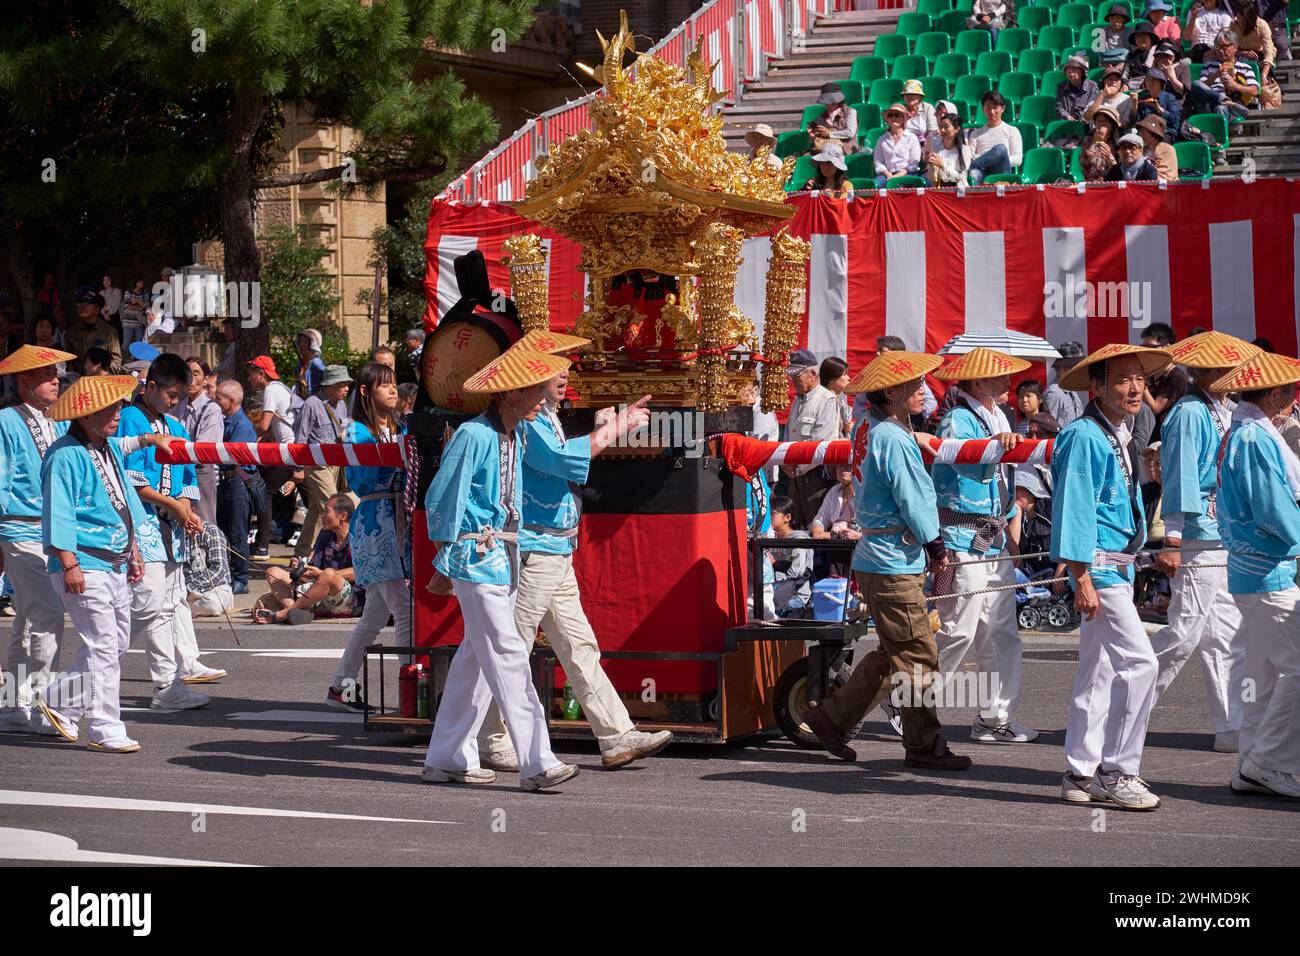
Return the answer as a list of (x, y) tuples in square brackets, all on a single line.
[(33, 798), (54, 848), (294, 716), (299, 653)]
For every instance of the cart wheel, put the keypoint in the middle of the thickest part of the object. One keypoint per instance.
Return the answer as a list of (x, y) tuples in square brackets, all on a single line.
[(714, 707), (1029, 618), (1058, 615), (790, 706)]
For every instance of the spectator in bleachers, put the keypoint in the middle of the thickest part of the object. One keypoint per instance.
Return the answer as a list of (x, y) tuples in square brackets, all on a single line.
[(1113, 96), (791, 567), (991, 15), (834, 375), (1029, 402), (1168, 62), (1274, 13), (1161, 154), (1254, 36), (1133, 165), (997, 145), (898, 152), (941, 109), (1205, 21), (837, 123), (1117, 34), (831, 170), (1064, 405), (1141, 56), (1097, 158), (1154, 99), (921, 120), (1076, 94), (762, 136), (1160, 16), (1227, 86), (949, 162)]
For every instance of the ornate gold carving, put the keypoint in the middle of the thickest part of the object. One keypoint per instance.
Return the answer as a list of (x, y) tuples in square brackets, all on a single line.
[(783, 312), (529, 281)]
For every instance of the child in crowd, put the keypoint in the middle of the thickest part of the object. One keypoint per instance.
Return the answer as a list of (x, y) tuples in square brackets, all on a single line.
[(1029, 402), (791, 567)]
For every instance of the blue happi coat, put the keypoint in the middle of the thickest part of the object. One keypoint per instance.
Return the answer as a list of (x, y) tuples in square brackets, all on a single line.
[(76, 510), (892, 488), (143, 469), (377, 555), (1258, 517), (20, 477), (970, 489), (465, 496), (552, 466), (1189, 449), (1092, 508)]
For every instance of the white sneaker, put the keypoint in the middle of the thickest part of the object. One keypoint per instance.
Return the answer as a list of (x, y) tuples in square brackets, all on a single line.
[(1010, 732), (1242, 787), (1274, 781), (16, 720), (1226, 743), (1127, 791), (1075, 789), (118, 745), (479, 775), (65, 727), (178, 697), (204, 675), (893, 715), (551, 778), (634, 745), (504, 761)]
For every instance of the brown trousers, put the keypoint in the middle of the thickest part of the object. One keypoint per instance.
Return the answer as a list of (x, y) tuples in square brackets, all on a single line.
[(319, 484), (907, 649)]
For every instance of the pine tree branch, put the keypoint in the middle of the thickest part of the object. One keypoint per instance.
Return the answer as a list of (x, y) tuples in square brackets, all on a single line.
[(395, 174)]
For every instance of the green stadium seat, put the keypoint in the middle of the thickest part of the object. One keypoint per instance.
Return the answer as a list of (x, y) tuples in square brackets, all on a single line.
[(953, 22), (890, 46), (905, 182), (885, 92), (972, 42), (932, 45), (1044, 165), (1052, 5), (1011, 179), (933, 8), (993, 64), (1028, 135), (1089, 35), (1195, 69), (951, 66), (1014, 41), (1076, 165), (868, 68), (1103, 5), (1211, 123), (1033, 19), (913, 24), (963, 109), (1037, 60), (810, 113), (910, 67), (1015, 85), (1095, 73), (868, 117), (1050, 80), (1057, 37), (804, 170), (869, 140), (1077, 15), (860, 183), (936, 88), (971, 87), (852, 90), (1039, 110), (861, 165), (1059, 129), (1193, 161), (792, 143)]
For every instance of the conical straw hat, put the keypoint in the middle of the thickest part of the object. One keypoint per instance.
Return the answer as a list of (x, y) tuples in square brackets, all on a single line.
[(90, 394), (33, 356), (980, 363), (551, 342), (1265, 370), (516, 368), (1213, 350), (1152, 360), (892, 368)]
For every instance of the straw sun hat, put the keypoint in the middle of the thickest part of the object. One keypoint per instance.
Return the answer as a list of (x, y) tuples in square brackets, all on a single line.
[(1213, 350), (551, 343), (516, 368), (1265, 370), (1151, 360), (980, 363), (892, 368), (33, 356), (90, 394)]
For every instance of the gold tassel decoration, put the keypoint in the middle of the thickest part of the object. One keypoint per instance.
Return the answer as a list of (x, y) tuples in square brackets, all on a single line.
[(786, 284), (719, 253), (529, 281)]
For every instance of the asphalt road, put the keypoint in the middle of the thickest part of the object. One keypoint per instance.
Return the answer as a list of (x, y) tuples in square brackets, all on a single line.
[(268, 776)]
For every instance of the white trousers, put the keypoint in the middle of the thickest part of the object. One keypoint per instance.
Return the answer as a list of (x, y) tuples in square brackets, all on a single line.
[(187, 642), (1114, 688), (490, 663), (1204, 617), (38, 620), (989, 622), (1270, 724), (212, 603), (91, 686), (154, 599), (548, 596), (382, 599)]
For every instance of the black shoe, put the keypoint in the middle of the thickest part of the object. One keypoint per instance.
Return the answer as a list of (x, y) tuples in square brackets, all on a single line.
[(261, 552), (938, 757), (831, 737)]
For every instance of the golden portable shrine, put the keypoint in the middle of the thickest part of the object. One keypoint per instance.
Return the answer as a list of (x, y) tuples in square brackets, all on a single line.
[(660, 209)]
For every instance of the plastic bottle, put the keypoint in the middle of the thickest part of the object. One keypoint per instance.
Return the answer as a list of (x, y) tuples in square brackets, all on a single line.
[(571, 709), (422, 694)]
